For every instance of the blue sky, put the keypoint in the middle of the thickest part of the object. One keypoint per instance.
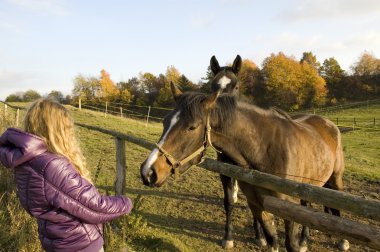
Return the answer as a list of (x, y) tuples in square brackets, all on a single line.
[(44, 44)]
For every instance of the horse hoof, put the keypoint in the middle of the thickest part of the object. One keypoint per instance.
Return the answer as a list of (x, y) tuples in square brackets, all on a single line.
[(344, 245), (227, 244), (303, 248), (271, 249), (260, 242)]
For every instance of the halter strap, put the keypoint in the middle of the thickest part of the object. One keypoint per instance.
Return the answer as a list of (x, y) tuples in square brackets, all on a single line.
[(176, 164)]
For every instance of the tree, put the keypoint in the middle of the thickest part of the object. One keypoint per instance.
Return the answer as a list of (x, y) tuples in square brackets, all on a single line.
[(57, 95), (124, 94), (31, 95), (185, 84), (108, 89), (205, 85), (16, 97), (367, 65), (249, 77), (134, 86), (291, 85), (311, 59), (172, 75), (85, 88), (333, 74), (313, 90), (165, 97)]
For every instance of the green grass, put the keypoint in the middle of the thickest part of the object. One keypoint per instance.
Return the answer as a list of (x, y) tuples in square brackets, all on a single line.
[(362, 145), (184, 215)]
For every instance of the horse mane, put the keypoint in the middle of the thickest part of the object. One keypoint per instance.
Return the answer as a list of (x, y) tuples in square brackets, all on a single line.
[(223, 113)]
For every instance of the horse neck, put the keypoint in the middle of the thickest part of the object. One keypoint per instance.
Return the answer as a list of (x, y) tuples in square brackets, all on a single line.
[(251, 130)]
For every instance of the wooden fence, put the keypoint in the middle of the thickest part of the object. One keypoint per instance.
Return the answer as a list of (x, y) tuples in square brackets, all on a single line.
[(361, 233), (352, 230)]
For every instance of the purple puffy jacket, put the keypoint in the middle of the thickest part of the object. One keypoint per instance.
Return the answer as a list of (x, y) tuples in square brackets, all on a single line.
[(69, 210)]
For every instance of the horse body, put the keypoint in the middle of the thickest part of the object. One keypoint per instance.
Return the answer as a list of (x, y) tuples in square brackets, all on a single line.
[(305, 148)]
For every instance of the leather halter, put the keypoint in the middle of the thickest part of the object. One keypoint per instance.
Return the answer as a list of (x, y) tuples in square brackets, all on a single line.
[(200, 151)]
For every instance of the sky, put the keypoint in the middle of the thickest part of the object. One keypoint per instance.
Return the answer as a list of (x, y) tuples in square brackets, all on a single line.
[(44, 44)]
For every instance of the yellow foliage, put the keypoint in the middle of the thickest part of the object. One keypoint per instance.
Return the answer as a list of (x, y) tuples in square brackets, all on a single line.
[(108, 89)]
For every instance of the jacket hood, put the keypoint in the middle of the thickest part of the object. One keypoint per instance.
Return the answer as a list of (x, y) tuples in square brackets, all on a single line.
[(18, 147)]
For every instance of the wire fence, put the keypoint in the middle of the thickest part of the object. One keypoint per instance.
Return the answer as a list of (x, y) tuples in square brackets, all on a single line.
[(128, 110), (157, 114)]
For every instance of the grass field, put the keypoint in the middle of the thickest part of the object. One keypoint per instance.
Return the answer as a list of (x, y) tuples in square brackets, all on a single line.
[(185, 215)]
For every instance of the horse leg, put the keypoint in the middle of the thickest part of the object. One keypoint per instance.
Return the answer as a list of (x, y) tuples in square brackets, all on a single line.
[(336, 183), (305, 233), (291, 239), (228, 186), (259, 233), (266, 224)]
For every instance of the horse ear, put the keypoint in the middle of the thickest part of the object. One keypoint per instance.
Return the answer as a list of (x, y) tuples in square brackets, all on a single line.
[(214, 64), (210, 101), (175, 91), (237, 64)]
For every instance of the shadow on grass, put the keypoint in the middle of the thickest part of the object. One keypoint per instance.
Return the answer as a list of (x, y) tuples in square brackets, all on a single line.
[(199, 229)]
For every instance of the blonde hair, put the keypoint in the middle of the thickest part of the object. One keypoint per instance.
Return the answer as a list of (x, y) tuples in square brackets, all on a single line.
[(52, 122)]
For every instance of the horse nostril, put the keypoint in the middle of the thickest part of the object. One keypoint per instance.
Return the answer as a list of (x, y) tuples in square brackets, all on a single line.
[(152, 176)]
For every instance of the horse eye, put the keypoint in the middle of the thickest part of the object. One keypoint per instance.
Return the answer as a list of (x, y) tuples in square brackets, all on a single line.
[(193, 127)]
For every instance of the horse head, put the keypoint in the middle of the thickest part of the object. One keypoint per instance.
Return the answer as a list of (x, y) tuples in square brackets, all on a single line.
[(225, 79), (184, 138)]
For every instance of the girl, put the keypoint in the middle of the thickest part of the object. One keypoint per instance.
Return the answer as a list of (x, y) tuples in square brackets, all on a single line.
[(53, 183)]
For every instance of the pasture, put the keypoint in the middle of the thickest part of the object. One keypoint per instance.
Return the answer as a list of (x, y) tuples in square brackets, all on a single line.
[(186, 215)]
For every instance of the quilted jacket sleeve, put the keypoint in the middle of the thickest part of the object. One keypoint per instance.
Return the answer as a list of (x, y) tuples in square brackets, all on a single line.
[(66, 189)]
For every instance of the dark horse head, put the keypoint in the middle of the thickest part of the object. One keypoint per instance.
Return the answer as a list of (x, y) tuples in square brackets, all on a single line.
[(225, 79)]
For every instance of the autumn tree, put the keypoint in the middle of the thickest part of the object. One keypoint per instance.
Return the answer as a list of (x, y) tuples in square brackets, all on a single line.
[(172, 75), (365, 82), (249, 77), (291, 85), (367, 65), (108, 90)]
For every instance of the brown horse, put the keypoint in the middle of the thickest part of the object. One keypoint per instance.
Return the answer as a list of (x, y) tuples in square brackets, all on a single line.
[(305, 149)]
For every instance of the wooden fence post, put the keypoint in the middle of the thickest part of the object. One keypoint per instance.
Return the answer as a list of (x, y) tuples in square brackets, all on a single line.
[(120, 166), (121, 111), (80, 103), (105, 112), (5, 110), (147, 118), (17, 117)]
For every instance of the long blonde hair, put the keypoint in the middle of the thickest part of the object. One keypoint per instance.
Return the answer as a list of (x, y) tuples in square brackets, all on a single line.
[(52, 122)]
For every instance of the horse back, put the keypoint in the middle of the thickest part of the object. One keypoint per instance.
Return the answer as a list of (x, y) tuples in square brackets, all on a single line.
[(327, 130)]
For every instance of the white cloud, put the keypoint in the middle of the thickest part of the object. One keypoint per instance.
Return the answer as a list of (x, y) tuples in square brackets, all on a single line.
[(46, 7), (329, 9)]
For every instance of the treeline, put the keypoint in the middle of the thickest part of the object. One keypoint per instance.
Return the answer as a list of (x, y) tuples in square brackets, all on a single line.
[(282, 81)]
